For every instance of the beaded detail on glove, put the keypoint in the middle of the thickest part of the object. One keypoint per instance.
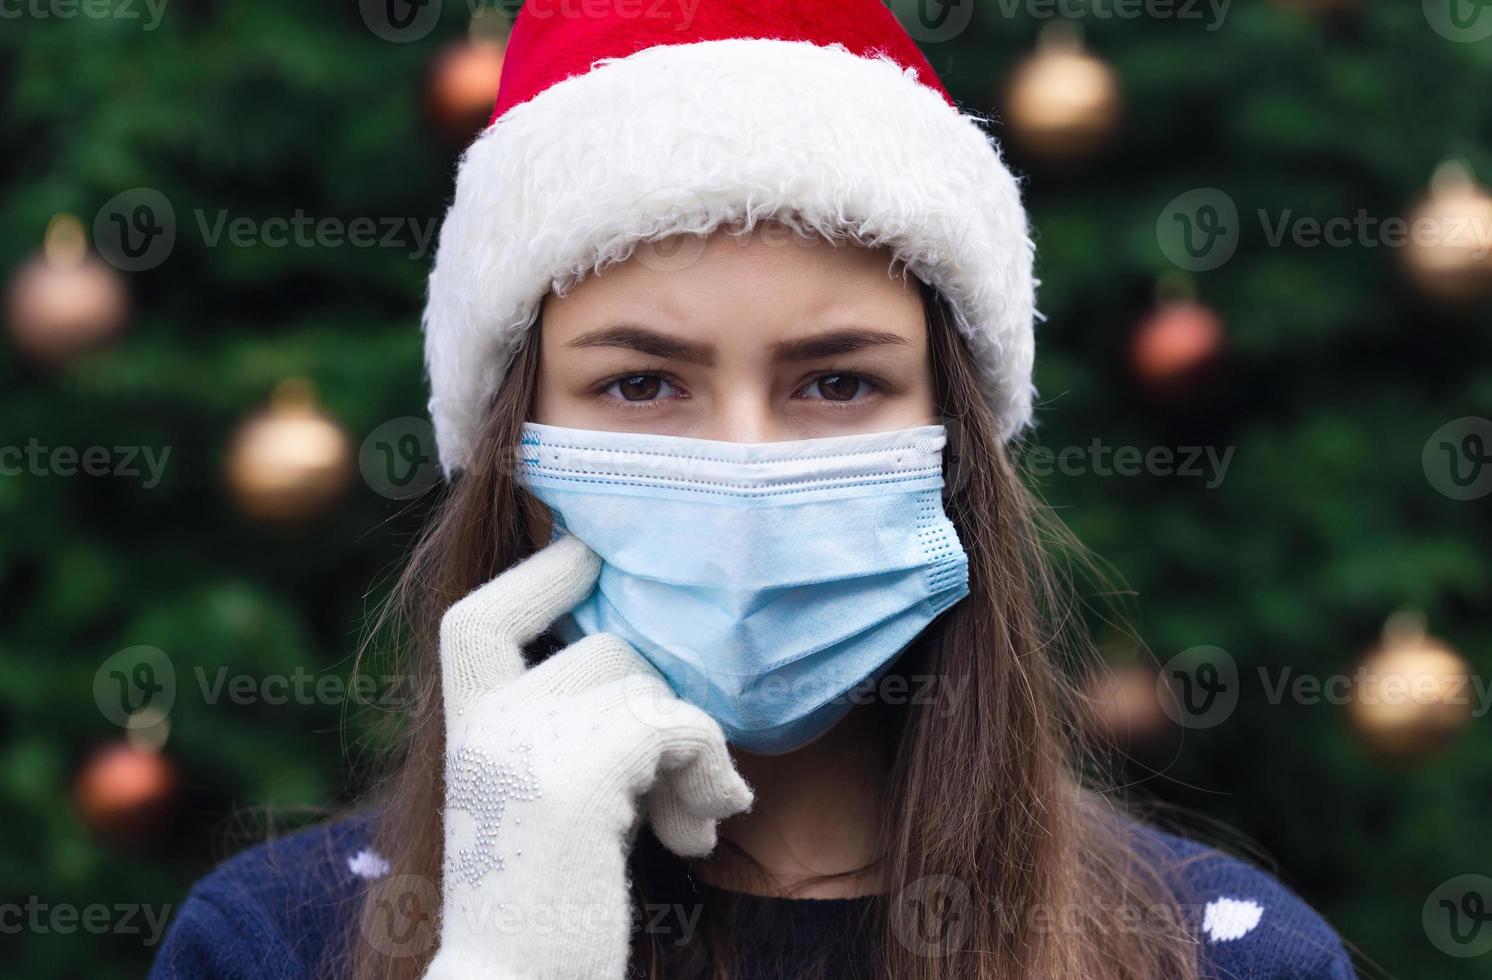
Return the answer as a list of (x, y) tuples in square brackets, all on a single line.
[(483, 787)]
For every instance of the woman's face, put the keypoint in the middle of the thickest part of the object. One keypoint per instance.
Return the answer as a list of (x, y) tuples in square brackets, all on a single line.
[(758, 338)]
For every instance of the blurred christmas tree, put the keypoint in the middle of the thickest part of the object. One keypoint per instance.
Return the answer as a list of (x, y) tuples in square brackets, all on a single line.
[(239, 350)]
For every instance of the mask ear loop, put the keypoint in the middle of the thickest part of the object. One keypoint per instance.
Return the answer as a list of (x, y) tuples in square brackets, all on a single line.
[(952, 458)]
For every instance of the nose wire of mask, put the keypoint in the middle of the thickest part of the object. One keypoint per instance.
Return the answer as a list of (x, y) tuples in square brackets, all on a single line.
[(767, 582)]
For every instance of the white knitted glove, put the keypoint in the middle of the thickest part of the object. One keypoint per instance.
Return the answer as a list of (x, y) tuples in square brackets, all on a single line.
[(544, 771)]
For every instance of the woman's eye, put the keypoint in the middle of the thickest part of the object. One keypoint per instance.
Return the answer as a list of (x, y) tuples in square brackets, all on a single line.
[(836, 387), (640, 388)]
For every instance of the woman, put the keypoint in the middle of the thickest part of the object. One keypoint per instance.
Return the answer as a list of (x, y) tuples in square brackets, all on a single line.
[(727, 670)]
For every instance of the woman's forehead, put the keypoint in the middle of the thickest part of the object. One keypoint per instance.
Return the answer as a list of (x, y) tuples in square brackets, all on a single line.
[(767, 271)]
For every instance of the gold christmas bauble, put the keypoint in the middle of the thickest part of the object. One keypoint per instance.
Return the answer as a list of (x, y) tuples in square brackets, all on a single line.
[(124, 792), (1062, 103), (1124, 704), (1448, 254), (463, 84), (1412, 695), (64, 301), (290, 462)]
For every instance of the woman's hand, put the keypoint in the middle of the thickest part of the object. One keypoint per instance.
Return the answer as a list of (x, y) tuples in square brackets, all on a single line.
[(545, 768)]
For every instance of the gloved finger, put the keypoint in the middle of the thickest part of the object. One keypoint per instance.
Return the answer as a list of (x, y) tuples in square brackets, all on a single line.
[(660, 737), (694, 761), (591, 661), (676, 828), (482, 636)]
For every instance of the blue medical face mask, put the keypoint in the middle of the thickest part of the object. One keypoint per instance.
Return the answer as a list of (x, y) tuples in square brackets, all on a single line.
[(764, 581)]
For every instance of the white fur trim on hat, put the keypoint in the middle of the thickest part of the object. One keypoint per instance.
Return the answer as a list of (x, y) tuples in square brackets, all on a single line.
[(694, 137)]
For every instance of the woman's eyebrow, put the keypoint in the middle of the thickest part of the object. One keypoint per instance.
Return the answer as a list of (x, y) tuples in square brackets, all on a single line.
[(834, 343), (654, 343), (647, 341)]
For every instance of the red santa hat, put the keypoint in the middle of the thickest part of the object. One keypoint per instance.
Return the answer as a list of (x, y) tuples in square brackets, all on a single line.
[(621, 122)]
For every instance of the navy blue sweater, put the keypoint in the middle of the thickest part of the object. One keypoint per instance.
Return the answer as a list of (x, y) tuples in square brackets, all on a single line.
[(285, 910)]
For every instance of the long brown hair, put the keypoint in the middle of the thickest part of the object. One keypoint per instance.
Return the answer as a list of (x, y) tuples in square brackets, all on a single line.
[(986, 804)]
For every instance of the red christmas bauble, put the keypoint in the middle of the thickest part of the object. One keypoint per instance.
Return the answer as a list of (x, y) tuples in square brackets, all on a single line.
[(464, 80), (125, 792), (1175, 345)]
